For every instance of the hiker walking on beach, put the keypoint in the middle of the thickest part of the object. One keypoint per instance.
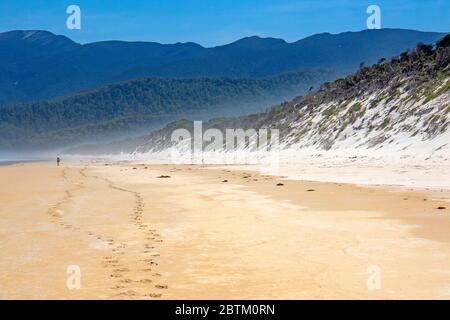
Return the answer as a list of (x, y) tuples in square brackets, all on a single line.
[(58, 161)]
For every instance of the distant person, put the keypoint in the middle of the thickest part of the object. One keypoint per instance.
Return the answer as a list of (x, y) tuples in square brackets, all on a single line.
[(58, 161)]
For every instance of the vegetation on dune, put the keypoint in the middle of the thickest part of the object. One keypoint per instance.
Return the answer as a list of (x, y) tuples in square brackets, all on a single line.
[(425, 68)]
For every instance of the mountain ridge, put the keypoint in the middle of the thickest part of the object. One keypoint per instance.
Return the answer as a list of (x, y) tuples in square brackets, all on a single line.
[(262, 38)]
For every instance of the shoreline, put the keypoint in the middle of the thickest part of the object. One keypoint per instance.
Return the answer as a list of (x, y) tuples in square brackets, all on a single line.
[(141, 231), (13, 162)]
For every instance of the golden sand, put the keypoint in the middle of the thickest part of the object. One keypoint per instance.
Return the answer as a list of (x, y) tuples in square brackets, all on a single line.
[(192, 236)]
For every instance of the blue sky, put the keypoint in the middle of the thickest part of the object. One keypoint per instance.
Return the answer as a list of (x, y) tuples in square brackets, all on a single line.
[(215, 22)]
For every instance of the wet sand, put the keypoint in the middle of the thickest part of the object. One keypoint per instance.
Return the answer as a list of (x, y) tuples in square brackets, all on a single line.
[(137, 235)]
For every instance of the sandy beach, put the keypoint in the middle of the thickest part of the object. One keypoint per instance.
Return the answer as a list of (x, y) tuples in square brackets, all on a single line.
[(139, 231)]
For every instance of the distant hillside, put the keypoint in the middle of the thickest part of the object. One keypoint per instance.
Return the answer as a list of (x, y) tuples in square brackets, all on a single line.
[(402, 105), (142, 104), (38, 65)]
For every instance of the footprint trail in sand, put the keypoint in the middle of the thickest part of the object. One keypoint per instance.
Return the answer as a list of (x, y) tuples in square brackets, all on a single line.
[(131, 260)]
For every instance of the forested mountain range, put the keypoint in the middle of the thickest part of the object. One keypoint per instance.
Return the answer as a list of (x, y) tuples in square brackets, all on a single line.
[(38, 65), (143, 104)]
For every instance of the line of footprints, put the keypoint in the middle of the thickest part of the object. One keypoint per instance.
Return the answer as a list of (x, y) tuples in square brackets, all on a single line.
[(127, 282)]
